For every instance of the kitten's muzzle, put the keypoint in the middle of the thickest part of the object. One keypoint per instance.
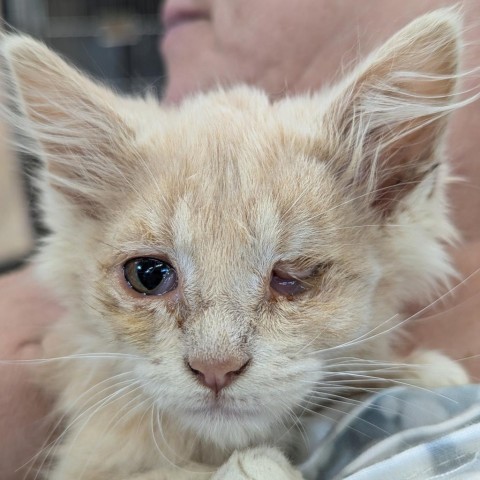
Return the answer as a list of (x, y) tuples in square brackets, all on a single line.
[(217, 375)]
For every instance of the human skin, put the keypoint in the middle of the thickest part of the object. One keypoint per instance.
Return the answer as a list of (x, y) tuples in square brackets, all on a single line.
[(284, 48), (26, 309)]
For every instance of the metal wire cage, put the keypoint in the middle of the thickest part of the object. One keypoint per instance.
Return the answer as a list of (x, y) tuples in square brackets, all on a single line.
[(114, 40)]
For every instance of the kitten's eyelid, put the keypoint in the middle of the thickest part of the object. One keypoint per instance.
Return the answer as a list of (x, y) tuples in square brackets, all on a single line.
[(139, 248), (124, 256), (290, 282), (289, 270)]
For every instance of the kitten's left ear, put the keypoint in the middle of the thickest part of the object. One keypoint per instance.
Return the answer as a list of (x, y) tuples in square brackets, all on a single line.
[(389, 116), (82, 140)]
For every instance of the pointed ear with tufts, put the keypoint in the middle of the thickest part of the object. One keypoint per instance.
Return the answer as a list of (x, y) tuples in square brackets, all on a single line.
[(389, 116), (83, 142)]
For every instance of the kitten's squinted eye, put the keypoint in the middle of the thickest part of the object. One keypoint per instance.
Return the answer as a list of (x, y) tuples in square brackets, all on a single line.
[(285, 283), (150, 276)]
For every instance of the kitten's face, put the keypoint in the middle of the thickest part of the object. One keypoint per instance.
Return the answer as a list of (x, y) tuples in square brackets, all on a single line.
[(268, 229), (271, 260)]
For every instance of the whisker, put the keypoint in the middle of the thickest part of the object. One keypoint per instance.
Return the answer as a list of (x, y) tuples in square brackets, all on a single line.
[(50, 448), (403, 382), (152, 425), (355, 341), (77, 356), (365, 337), (114, 421), (296, 423), (95, 408), (46, 444)]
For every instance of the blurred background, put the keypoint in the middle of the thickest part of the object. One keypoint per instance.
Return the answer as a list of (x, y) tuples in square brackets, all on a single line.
[(116, 42)]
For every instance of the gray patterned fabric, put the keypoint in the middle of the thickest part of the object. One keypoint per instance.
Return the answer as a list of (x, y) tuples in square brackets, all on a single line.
[(399, 434)]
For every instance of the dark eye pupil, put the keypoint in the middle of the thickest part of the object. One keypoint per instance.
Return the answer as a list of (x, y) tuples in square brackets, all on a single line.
[(150, 276), (151, 272)]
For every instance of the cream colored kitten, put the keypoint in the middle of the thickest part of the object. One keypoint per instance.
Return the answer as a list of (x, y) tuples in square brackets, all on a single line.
[(224, 260)]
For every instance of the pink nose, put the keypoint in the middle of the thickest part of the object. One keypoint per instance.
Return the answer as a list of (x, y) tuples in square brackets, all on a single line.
[(218, 375)]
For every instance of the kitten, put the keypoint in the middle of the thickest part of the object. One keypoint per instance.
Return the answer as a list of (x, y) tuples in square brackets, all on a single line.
[(222, 261)]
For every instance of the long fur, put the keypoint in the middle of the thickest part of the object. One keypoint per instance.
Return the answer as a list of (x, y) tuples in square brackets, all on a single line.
[(348, 182)]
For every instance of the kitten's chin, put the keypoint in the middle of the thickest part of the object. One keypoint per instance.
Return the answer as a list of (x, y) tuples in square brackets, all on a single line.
[(230, 427)]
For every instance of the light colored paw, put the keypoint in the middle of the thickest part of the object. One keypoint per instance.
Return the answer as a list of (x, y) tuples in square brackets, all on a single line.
[(257, 464), (434, 369)]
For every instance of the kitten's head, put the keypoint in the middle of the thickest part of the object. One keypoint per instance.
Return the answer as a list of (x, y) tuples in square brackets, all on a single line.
[(240, 246)]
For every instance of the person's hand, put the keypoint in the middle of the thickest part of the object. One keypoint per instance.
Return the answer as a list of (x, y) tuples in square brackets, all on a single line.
[(26, 309)]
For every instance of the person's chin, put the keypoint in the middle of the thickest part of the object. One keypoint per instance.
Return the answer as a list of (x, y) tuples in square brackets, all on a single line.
[(182, 81), (184, 53), (176, 90), (185, 40)]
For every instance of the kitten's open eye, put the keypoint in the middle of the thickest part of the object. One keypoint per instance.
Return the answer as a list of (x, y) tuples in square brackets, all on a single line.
[(150, 276)]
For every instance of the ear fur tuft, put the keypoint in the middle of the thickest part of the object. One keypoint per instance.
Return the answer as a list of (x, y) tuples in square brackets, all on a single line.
[(390, 113), (81, 139)]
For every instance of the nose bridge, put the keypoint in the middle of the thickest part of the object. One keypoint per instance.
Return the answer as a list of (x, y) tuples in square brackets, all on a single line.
[(217, 333), (220, 265), (218, 324)]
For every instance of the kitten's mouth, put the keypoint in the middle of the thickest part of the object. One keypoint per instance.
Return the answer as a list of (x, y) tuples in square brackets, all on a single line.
[(229, 425), (222, 410)]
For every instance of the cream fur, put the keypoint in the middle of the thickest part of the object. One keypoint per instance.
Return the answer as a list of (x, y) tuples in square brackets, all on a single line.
[(227, 186)]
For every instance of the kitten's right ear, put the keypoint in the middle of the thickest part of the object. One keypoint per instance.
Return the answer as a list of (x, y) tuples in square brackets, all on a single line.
[(83, 142), (388, 117)]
